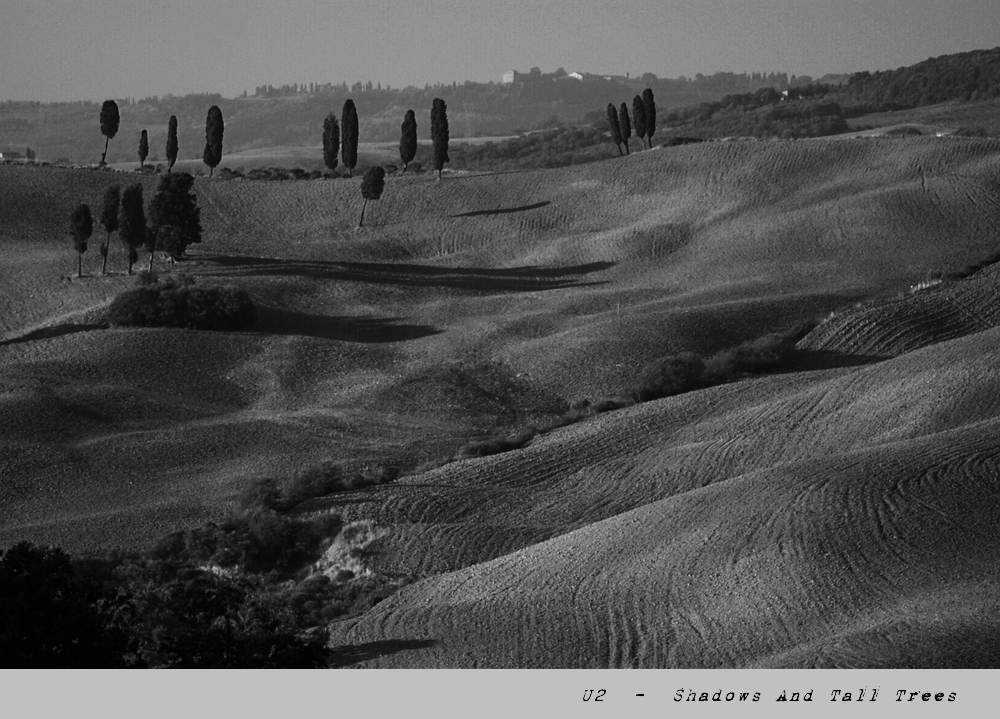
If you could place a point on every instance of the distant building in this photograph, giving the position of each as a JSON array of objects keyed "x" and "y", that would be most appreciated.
[
  {"x": 576, "y": 75},
  {"x": 509, "y": 77}
]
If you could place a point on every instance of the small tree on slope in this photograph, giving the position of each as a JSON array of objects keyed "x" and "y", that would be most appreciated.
[
  {"x": 214, "y": 130},
  {"x": 408, "y": 139},
  {"x": 639, "y": 119},
  {"x": 625, "y": 124},
  {"x": 616, "y": 132},
  {"x": 331, "y": 141},
  {"x": 650, "y": 108},
  {"x": 371, "y": 188},
  {"x": 81, "y": 225},
  {"x": 349, "y": 135},
  {"x": 143, "y": 149},
  {"x": 439, "y": 134},
  {"x": 109, "y": 220},
  {"x": 132, "y": 222},
  {"x": 171, "y": 142},
  {"x": 110, "y": 120}
]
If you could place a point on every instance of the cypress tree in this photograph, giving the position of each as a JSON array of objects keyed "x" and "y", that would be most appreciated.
[
  {"x": 371, "y": 188},
  {"x": 81, "y": 225},
  {"x": 650, "y": 107},
  {"x": 439, "y": 134},
  {"x": 408, "y": 139},
  {"x": 132, "y": 222},
  {"x": 331, "y": 141},
  {"x": 110, "y": 120},
  {"x": 109, "y": 219},
  {"x": 625, "y": 125},
  {"x": 171, "y": 142},
  {"x": 349, "y": 136},
  {"x": 616, "y": 131},
  {"x": 639, "y": 119},
  {"x": 143, "y": 149},
  {"x": 214, "y": 129}
]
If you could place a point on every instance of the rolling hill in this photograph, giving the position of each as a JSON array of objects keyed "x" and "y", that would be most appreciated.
[{"x": 836, "y": 514}]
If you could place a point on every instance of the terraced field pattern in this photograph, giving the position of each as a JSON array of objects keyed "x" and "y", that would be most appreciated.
[{"x": 841, "y": 513}]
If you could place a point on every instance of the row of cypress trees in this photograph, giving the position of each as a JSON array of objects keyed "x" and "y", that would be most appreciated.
[
  {"x": 345, "y": 135},
  {"x": 214, "y": 131},
  {"x": 643, "y": 121}
]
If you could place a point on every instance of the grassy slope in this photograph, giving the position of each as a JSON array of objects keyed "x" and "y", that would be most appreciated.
[{"x": 474, "y": 305}]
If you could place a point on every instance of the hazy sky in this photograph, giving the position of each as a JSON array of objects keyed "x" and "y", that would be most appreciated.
[{"x": 97, "y": 49}]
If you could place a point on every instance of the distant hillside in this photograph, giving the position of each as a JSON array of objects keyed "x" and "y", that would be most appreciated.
[{"x": 293, "y": 115}]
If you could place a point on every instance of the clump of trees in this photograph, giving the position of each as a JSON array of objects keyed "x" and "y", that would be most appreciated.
[
  {"x": 178, "y": 302},
  {"x": 174, "y": 217},
  {"x": 214, "y": 130},
  {"x": 439, "y": 134},
  {"x": 81, "y": 225},
  {"x": 110, "y": 121}
]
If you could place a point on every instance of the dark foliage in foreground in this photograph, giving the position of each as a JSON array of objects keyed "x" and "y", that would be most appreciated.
[
  {"x": 49, "y": 618},
  {"x": 178, "y": 302}
]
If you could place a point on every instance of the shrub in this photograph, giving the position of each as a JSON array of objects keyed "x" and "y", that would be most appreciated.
[
  {"x": 669, "y": 376},
  {"x": 177, "y": 302},
  {"x": 259, "y": 541}
]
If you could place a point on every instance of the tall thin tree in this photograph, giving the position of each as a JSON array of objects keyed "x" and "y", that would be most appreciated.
[
  {"x": 109, "y": 220},
  {"x": 625, "y": 124},
  {"x": 439, "y": 134},
  {"x": 110, "y": 120},
  {"x": 143, "y": 149},
  {"x": 331, "y": 141},
  {"x": 171, "y": 142},
  {"x": 649, "y": 105},
  {"x": 132, "y": 222},
  {"x": 349, "y": 136},
  {"x": 81, "y": 225},
  {"x": 639, "y": 119},
  {"x": 408, "y": 139},
  {"x": 371, "y": 188},
  {"x": 616, "y": 131},
  {"x": 214, "y": 130}
]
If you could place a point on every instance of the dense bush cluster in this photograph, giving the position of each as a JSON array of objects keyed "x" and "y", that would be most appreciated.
[
  {"x": 176, "y": 301},
  {"x": 317, "y": 480},
  {"x": 687, "y": 371}
]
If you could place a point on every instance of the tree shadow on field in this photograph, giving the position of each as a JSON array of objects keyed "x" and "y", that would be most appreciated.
[
  {"x": 488, "y": 280},
  {"x": 502, "y": 210},
  {"x": 54, "y": 331},
  {"x": 271, "y": 320},
  {"x": 352, "y": 654}
]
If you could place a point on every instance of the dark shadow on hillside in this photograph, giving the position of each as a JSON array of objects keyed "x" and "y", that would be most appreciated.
[
  {"x": 502, "y": 210},
  {"x": 352, "y": 654},
  {"x": 518, "y": 279},
  {"x": 809, "y": 360},
  {"x": 272, "y": 320},
  {"x": 55, "y": 331}
]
